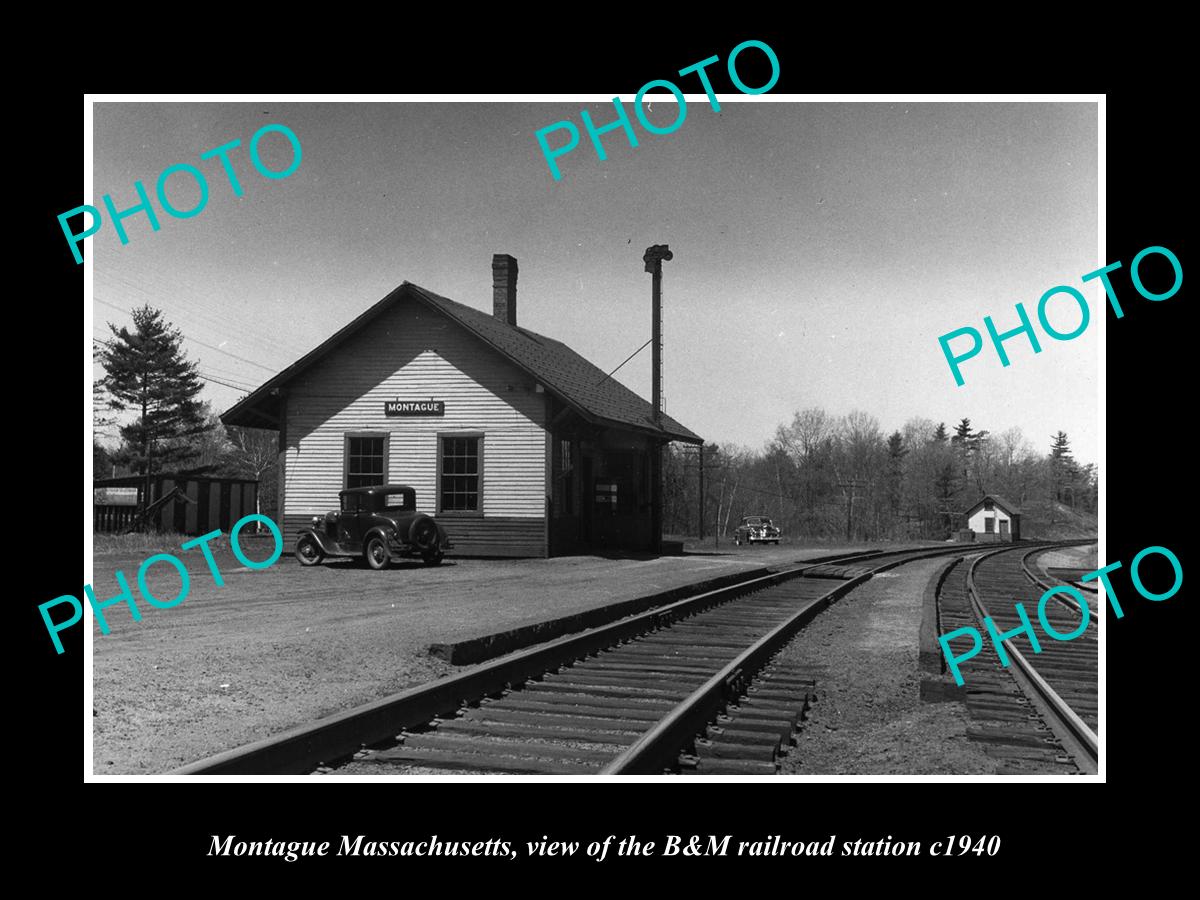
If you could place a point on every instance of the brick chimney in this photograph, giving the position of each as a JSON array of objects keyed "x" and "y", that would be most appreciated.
[{"x": 504, "y": 288}]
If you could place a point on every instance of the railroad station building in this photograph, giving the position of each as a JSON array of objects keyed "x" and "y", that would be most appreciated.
[
  {"x": 993, "y": 518},
  {"x": 515, "y": 442}
]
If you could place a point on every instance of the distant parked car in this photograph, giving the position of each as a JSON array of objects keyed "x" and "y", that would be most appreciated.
[
  {"x": 378, "y": 523},
  {"x": 756, "y": 530}
]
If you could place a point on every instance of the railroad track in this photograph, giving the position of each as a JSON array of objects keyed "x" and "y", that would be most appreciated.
[
  {"x": 1057, "y": 576},
  {"x": 1039, "y": 714},
  {"x": 691, "y": 687}
]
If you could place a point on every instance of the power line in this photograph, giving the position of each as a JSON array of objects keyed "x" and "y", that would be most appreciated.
[
  {"x": 203, "y": 376},
  {"x": 237, "y": 387},
  {"x": 195, "y": 318},
  {"x": 203, "y": 344},
  {"x": 211, "y": 369},
  {"x": 273, "y": 371},
  {"x": 219, "y": 317}
]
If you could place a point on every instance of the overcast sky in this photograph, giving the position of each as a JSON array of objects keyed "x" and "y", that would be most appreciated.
[{"x": 820, "y": 249}]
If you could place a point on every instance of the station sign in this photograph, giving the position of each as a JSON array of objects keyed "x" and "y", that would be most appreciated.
[{"x": 406, "y": 408}]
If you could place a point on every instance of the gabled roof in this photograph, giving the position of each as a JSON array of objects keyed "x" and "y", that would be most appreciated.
[
  {"x": 1010, "y": 508},
  {"x": 563, "y": 372}
]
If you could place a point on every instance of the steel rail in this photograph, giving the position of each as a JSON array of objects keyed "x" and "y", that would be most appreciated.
[
  {"x": 337, "y": 737},
  {"x": 303, "y": 748},
  {"x": 658, "y": 748},
  {"x": 1069, "y": 602},
  {"x": 1076, "y": 737}
]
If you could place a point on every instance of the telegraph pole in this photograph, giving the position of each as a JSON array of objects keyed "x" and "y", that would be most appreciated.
[{"x": 653, "y": 258}]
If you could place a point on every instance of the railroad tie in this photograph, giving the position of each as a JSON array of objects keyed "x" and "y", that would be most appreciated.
[
  {"x": 1004, "y": 723},
  {"x": 758, "y": 727}
]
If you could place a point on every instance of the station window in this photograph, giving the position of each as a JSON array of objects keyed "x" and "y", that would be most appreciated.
[
  {"x": 460, "y": 470},
  {"x": 989, "y": 525},
  {"x": 606, "y": 498},
  {"x": 366, "y": 460}
]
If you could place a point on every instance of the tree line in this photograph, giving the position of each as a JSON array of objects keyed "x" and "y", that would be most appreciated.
[
  {"x": 830, "y": 477},
  {"x": 821, "y": 476}
]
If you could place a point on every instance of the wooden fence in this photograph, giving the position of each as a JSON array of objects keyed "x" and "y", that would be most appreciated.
[{"x": 216, "y": 503}]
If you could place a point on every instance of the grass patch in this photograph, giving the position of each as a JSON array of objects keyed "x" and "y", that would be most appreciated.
[
  {"x": 138, "y": 542},
  {"x": 168, "y": 541}
]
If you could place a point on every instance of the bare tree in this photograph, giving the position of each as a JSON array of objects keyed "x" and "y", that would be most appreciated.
[{"x": 255, "y": 453}]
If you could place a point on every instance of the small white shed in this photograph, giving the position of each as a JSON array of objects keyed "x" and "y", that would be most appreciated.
[{"x": 993, "y": 518}]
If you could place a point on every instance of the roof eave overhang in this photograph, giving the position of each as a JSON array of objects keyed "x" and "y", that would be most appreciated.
[
  {"x": 649, "y": 430},
  {"x": 255, "y": 411}
]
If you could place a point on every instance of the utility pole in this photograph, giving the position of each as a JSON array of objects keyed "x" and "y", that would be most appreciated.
[
  {"x": 653, "y": 258},
  {"x": 149, "y": 435},
  {"x": 700, "y": 517}
]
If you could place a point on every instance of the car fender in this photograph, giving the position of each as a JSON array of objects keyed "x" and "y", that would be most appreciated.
[
  {"x": 385, "y": 531},
  {"x": 328, "y": 547}
]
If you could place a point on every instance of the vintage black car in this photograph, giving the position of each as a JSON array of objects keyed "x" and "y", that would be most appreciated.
[
  {"x": 756, "y": 530},
  {"x": 378, "y": 523}
]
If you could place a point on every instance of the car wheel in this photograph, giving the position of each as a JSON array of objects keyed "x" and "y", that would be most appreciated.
[
  {"x": 308, "y": 551},
  {"x": 377, "y": 553}
]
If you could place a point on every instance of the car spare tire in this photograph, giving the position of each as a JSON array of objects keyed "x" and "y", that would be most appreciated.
[{"x": 423, "y": 533}]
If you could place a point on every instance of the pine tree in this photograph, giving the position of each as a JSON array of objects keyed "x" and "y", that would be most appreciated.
[
  {"x": 1064, "y": 471},
  {"x": 101, "y": 402},
  {"x": 963, "y": 433},
  {"x": 940, "y": 434},
  {"x": 147, "y": 372},
  {"x": 969, "y": 444},
  {"x": 1060, "y": 446}
]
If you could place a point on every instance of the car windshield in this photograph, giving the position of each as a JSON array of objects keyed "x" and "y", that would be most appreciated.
[{"x": 754, "y": 520}]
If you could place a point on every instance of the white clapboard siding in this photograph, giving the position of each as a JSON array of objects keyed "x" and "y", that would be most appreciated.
[{"x": 413, "y": 353}]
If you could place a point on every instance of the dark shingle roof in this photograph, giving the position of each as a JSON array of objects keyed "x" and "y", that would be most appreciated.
[
  {"x": 1010, "y": 508},
  {"x": 563, "y": 371}
]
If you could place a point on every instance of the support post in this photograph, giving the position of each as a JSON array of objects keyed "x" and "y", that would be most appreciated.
[{"x": 281, "y": 472}]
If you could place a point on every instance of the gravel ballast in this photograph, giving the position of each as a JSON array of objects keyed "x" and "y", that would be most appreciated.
[
  {"x": 869, "y": 718},
  {"x": 280, "y": 647}
]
